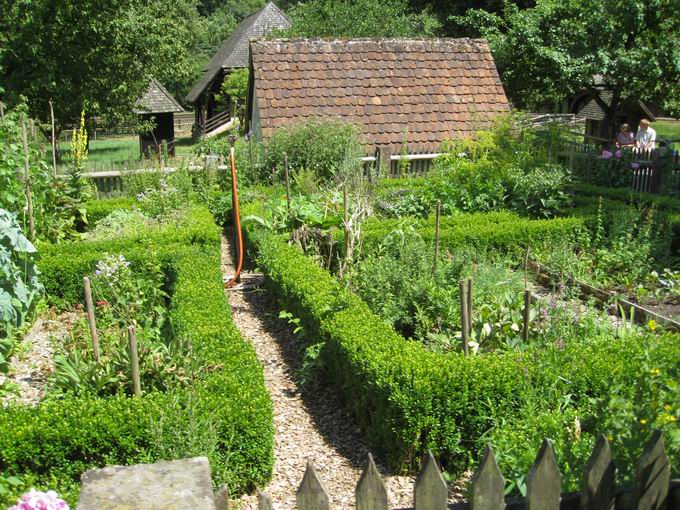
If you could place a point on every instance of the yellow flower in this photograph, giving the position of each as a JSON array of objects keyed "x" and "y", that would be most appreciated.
[
  {"x": 655, "y": 371},
  {"x": 652, "y": 325},
  {"x": 667, "y": 407},
  {"x": 643, "y": 422}
]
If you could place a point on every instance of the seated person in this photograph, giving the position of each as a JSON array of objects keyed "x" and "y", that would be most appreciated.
[
  {"x": 625, "y": 138},
  {"x": 646, "y": 136}
]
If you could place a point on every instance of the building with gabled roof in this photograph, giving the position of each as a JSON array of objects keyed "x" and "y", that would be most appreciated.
[
  {"x": 422, "y": 91},
  {"x": 158, "y": 106},
  {"x": 232, "y": 55}
]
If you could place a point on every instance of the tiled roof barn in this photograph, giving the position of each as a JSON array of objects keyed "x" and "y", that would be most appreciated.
[{"x": 435, "y": 89}]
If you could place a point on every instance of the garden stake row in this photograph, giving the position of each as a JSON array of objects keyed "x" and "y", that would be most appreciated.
[
  {"x": 27, "y": 182},
  {"x": 90, "y": 317},
  {"x": 437, "y": 219},
  {"x": 134, "y": 361}
]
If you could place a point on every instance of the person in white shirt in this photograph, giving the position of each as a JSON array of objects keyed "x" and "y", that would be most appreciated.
[{"x": 645, "y": 138}]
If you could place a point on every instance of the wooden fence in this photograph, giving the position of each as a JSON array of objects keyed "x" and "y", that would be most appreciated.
[
  {"x": 652, "y": 488},
  {"x": 414, "y": 164}
]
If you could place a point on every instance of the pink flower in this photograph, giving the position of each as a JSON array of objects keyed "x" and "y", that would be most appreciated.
[
  {"x": 606, "y": 154},
  {"x": 36, "y": 500},
  {"x": 618, "y": 153}
]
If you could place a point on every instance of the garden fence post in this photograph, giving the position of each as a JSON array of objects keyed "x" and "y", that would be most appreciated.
[
  {"x": 2, "y": 110},
  {"x": 91, "y": 318},
  {"x": 527, "y": 304},
  {"x": 370, "y": 492},
  {"x": 287, "y": 175},
  {"x": 134, "y": 361},
  {"x": 469, "y": 303},
  {"x": 54, "y": 143},
  {"x": 436, "y": 236},
  {"x": 464, "y": 320},
  {"x": 27, "y": 182}
]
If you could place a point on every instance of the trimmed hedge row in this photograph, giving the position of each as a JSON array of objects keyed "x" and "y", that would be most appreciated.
[
  {"x": 496, "y": 231},
  {"x": 225, "y": 413},
  {"x": 409, "y": 399},
  {"x": 64, "y": 265},
  {"x": 98, "y": 209}
]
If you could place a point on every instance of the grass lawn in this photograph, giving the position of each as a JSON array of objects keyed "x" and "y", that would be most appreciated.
[
  {"x": 118, "y": 150},
  {"x": 668, "y": 129}
]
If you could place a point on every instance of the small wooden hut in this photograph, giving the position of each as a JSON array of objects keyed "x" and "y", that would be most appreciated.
[{"x": 158, "y": 106}]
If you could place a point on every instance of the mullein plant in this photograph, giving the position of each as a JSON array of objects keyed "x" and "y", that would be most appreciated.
[{"x": 79, "y": 188}]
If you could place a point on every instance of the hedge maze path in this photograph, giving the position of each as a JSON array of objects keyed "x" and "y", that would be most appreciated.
[{"x": 309, "y": 422}]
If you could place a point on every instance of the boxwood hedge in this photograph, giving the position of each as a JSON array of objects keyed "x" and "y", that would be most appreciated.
[
  {"x": 225, "y": 413},
  {"x": 409, "y": 399}
]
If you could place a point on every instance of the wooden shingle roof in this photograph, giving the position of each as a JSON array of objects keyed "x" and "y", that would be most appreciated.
[
  {"x": 233, "y": 54},
  {"x": 157, "y": 100},
  {"x": 435, "y": 89},
  {"x": 593, "y": 111}
]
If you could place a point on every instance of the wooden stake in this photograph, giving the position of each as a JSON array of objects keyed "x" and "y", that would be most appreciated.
[
  {"x": 345, "y": 205},
  {"x": 134, "y": 361},
  {"x": 287, "y": 175},
  {"x": 2, "y": 110},
  {"x": 27, "y": 182},
  {"x": 91, "y": 318},
  {"x": 527, "y": 304},
  {"x": 437, "y": 219},
  {"x": 464, "y": 319},
  {"x": 469, "y": 302},
  {"x": 54, "y": 143}
]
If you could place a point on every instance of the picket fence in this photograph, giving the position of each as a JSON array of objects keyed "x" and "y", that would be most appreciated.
[{"x": 652, "y": 489}]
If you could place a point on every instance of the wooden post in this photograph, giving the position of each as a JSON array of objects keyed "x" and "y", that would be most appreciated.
[
  {"x": 437, "y": 219},
  {"x": 345, "y": 205},
  {"x": 527, "y": 305},
  {"x": 2, "y": 110},
  {"x": 27, "y": 182},
  {"x": 91, "y": 318},
  {"x": 287, "y": 175},
  {"x": 464, "y": 319},
  {"x": 54, "y": 143},
  {"x": 469, "y": 302},
  {"x": 34, "y": 134},
  {"x": 134, "y": 361}
]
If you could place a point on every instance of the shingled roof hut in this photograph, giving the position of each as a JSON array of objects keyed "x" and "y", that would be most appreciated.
[
  {"x": 232, "y": 55},
  {"x": 158, "y": 105},
  {"x": 424, "y": 91}
]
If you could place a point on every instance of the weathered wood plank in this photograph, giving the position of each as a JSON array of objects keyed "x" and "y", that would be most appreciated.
[
  {"x": 371, "y": 493},
  {"x": 599, "y": 478},
  {"x": 430, "y": 492},
  {"x": 312, "y": 494},
  {"x": 544, "y": 480},
  {"x": 653, "y": 475},
  {"x": 488, "y": 484}
]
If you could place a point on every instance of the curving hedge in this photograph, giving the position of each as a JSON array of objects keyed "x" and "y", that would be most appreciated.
[
  {"x": 225, "y": 413},
  {"x": 409, "y": 399}
]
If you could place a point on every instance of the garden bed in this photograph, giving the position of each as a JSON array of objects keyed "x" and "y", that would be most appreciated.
[{"x": 221, "y": 409}]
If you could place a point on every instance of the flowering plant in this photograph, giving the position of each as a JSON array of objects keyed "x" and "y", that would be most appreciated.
[{"x": 36, "y": 500}]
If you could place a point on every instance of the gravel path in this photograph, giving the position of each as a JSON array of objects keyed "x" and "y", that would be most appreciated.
[
  {"x": 310, "y": 422},
  {"x": 29, "y": 370}
]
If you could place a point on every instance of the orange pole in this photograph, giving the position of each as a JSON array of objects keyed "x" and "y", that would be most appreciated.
[{"x": 237, "y": 218}]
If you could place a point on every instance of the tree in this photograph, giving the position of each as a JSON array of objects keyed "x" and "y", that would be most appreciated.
[
  {"x": 360, "y": 18},
  {"x": 630, "y": 48},
  {"x": 235, "y": 88},
  {"x": 93, "y": 55}
]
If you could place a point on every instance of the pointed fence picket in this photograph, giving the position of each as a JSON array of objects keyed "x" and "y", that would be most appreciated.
[{"x": 653, "y": 488}]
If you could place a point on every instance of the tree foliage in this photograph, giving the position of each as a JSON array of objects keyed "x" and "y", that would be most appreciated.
[
  {"x": 96, "y": 56},
  {"x": 360, "y": 18},
  {"x": 544, "y": 53}
]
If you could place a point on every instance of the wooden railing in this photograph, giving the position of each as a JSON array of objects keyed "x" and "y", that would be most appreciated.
[
  {"x": 216, "y": 121},
  {"x": 652, "y": 488}
]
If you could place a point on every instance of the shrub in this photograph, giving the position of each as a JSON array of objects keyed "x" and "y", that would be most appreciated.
[
  {"x": 225, "y": 413},
  {"x": 328, "y": 148}
]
